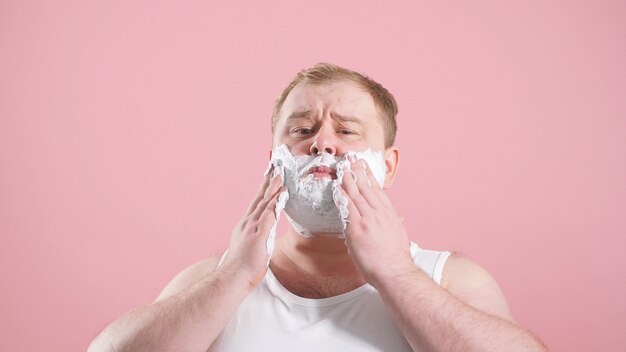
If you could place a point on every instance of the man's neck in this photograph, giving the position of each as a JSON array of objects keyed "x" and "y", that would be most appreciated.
[
  {"x": 324, "y": 255},
  {"x": 314, "y": 267}
]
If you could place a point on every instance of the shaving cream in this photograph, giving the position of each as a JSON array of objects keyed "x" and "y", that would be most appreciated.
[{"x": 315, "y": 206}]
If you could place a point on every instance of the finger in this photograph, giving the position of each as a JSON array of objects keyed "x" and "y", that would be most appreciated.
[
  {"x": 262, "y": 188},
  {"x": 351, "y": 189},
  {"x": 266, "y": 227},
  {"x": 370, "y": 175},
  {"x": 353, "y": 211},
  {"x": 380, "y": 193},
  {"x": 275, "y": 182},
  {"x": 263, "y": 204},
  {"x": 384, "y": 199},
  {"x": 365, "y": 184},
  {"x": 269, "y": 216}
]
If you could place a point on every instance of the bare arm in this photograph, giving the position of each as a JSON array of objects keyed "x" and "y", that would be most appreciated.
[
  {"x": 182, "y": 318},
  {"x": 195, "y": 307},
  {"x": 470, "y": 315}
]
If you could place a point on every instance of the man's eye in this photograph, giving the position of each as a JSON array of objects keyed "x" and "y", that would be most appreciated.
[
  {"x": 346, "y": 132},
  {"x": 302, "y": 130}
]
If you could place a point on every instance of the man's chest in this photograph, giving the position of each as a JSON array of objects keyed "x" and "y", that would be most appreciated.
[{"x": 270, "y": 319}]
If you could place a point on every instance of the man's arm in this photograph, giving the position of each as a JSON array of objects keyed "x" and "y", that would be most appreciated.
[
  {"x": 470, "y": 315},
  {"x": 188, "y": 315},
  {"x": 195, "y": 307}
]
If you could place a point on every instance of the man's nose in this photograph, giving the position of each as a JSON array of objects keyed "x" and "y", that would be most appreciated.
[{"x": 324, "y": 142}]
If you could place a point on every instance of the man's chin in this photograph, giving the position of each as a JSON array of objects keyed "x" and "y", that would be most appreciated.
[
  {"x": 329, "y": 235},
  {"x": 318, "y": 229}
]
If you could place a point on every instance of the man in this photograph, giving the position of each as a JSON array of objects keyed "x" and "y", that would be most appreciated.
[{"x": 363, "y": 288}]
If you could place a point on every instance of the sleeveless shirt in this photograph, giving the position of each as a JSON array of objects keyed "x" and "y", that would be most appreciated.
[{"x": 271, "y": 318}]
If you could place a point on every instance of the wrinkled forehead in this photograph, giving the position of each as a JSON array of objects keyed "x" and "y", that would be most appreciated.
[{"x": 341, "y": 97}]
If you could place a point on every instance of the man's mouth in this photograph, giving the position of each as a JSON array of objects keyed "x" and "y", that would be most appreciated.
[{"x": 322, "y": 172}]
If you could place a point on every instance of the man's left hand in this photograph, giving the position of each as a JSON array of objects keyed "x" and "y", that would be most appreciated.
[{"x": 375, "y": 236}]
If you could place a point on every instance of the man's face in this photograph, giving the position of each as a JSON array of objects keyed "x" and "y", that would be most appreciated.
[
  {"x": 334, "y": 117},
  {"x": 318, "y": 124}
]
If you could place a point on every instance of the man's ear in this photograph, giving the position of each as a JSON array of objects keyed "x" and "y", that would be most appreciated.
[{"x": 392, "y": 159}]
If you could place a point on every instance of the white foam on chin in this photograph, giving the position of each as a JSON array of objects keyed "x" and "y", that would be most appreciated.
[{"x": 310, "y": 205}]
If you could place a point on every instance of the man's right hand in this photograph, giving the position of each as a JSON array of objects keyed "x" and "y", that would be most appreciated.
[
  {"x": 167, "y": 324},
  {"x": 247, "y": 253}
]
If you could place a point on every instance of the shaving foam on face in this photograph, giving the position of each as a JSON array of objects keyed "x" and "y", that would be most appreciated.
[{"x": 315, "y": 205}]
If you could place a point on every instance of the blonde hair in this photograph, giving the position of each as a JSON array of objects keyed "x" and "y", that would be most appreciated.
[{"x": 326, "y": 73}]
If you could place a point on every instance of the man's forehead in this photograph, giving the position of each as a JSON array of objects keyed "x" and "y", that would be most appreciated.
[{"x": 343, "y": 98}]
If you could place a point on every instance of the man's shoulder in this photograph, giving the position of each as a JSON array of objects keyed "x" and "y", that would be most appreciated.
[
  {"x": 472, "y": 284},
  {"x": 460, "y": 270},
  {"x": 190, "y": 275}
]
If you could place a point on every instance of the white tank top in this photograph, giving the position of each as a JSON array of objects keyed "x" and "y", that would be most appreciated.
[{"x": 271, "y": 318}]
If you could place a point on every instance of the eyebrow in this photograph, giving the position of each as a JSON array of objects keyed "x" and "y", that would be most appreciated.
[
  {"x": 306, "y": 114},
  {"x": 303, "y": 114},
  {"x": 343, "y": 118}
]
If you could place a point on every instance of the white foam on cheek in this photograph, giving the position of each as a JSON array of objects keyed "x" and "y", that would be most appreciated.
[
  {"x": 340, "y": 200},
  {"x": 315, "y": 205}
]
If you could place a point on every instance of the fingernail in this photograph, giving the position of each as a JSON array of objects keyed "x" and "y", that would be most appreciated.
[
  {"x": 363, "y": 164},
  {"x": 351, "y": 158}
]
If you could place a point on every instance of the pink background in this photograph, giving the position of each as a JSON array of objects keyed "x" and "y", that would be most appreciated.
[{"x": 134, "y": 133}]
